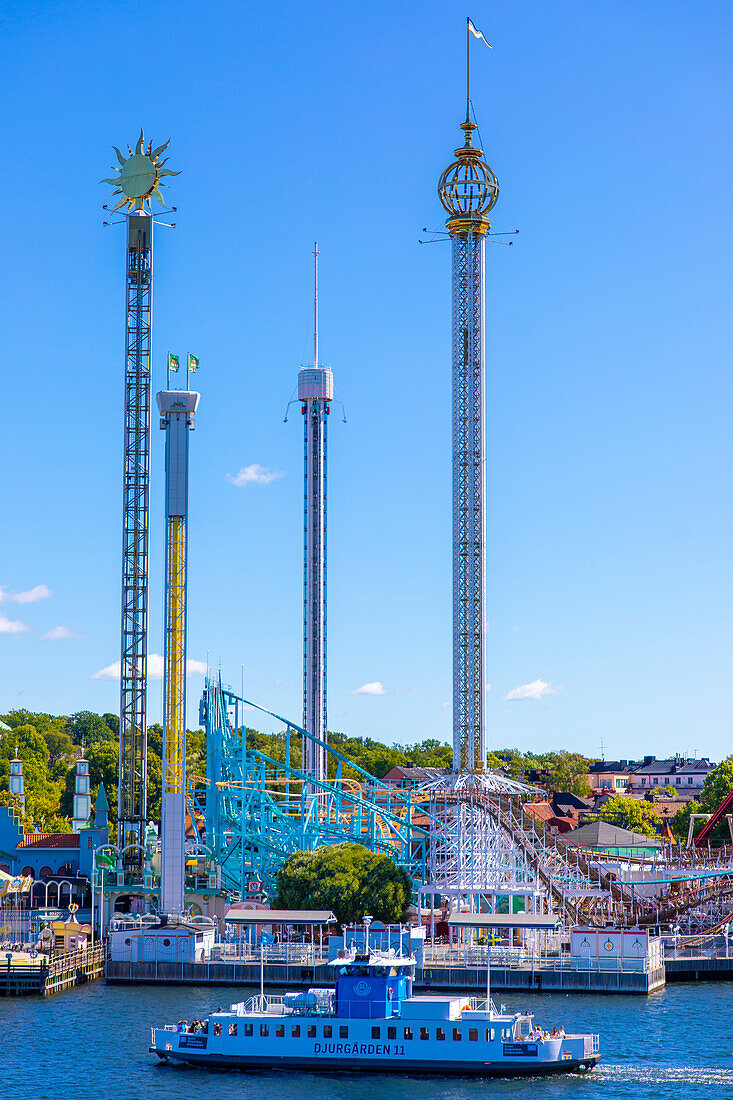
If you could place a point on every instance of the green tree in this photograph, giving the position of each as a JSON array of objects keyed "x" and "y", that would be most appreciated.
[
  {"x": 718, "y": 783},
  {"x": 681, "y": 821},
  {"x": 88, "y": 728},
  {"x": 347, "y": 879},
  {"x": 567, "y": 772},
  {"x": 634, "y": 814}
]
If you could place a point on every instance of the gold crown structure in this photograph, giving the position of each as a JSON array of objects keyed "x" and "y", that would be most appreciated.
[{"x": 468, "y": 189}]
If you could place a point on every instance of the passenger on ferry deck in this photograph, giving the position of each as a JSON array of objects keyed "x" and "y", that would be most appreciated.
[{"x": 562, "y": 1031}]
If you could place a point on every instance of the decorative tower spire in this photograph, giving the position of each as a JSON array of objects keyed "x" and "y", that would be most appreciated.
[
  {"x": 16, "y": 782},
  {"x": 82, "y": 794},
  {"x": 315, "y": 392},
  {"x": 468, "y": 190}
]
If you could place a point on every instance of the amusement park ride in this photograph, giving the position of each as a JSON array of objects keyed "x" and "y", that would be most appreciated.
[{"x": 462, "y": 838}]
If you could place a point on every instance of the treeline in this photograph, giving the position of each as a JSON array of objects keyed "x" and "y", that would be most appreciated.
[
  {"x": 551, "y": 771},
  {"x": 49, "y": 746}
]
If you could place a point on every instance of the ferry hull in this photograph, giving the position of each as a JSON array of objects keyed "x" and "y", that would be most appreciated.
[{"x": 404, "y": 1066}]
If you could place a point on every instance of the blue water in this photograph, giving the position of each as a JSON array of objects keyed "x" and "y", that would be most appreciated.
[{"x": 92, "y": 1043}]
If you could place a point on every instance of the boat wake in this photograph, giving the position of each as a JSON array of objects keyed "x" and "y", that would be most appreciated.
[{"x": 661, "y": 1075}]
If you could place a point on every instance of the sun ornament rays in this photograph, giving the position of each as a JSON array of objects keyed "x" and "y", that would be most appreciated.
[{"x": 140, "y": 174}]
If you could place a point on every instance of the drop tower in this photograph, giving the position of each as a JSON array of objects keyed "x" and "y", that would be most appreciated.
[
  {"x": 138, "y": 182},
  {"x": 315, "y": 393},
  {"x": 468, "y": 190}
]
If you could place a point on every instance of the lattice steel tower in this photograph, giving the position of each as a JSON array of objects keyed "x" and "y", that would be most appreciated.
[
  {"x": 468, "y": 190},
  {"x": 139, "y": 180},
  {"x": 315, "y": 392}
]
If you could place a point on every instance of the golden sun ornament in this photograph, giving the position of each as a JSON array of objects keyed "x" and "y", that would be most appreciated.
[{"x": 140, "y": 175}]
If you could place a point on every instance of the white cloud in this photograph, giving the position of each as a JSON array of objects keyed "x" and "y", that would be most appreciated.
[
  {"x": 374, "y": 688},
  {"x": 7, "y": 626},
  {"x": 535, "y": 690},
  {"x": 155, "y": 669},
  {"x": 444, "y": 706},
  {"x": 254, "y": 475},
  {"x": 32, "y": 595},
  {"x": 59, "y": 633}
]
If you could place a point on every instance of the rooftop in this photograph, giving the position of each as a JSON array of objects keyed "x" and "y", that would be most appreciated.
[
  {"x": 49, "y": 840},
  {"x": 601, "y": 834},
  {"x": 676, "y": 765}
]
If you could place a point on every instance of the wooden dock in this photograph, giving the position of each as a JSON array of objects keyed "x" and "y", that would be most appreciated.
[{"x": 44, "y": 976}]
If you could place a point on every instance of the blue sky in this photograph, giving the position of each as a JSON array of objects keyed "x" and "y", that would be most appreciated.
[{"x": 610, "y": 514}]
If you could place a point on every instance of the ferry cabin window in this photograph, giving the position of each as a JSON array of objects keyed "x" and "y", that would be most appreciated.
[
  {"x": 280, "y": 1032},
  {"x": 327, "y": 1031},
  {"x": 391, "y": 1032},
  {"x": 457, "y": 1035},
  {"x": 473, "y": 1034},
  {"x": 343, "y": 1033},
  {"x": 407, "y": 1032},
  {"x": 440, "y": 1033},
  {"x": 232, "y": 1029},
  {"x": 217, "y": 1029},
  {"x": 264, "y": 1029},
  {"x": 312, "y": 1031},
  {"x": 490, "y": 1034},
  {"x": 505, "y": 1033},
  {"x": 424, "y": 1033},
  {"x": 248, "y": 1029},
  {"x": 375, "y": 1033},
  {"x": 295, "y": 1031}
]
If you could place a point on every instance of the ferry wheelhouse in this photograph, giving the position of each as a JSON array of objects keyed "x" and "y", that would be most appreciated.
[{"x": 371, "y": 1021}]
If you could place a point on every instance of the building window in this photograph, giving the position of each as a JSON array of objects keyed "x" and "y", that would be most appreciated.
[
  {"x": 232, "y": 1029},
  {"x": 391, "y": 1032},
  {"x": 89, "y": 842},
  {"x": 440, "y": 1034},
  {"x": 344, "y": 1033},
  {"x": 473, "y": 1034},
  {"x": 457, "y": 1035},
  {"x": 264, "y": 1030},
  {"x": 327, "y": 1031},
  {"x": 311, "y": 1031},
  {"x": 248, "y": 1030},
  {"x": 217, "y": 1029},
  {"x": 424, "y": 1033},
  {"x": 375, "y": 1033},
  {"x": 295, "y": 1031},
  {"x": 407, "y": 1032},
  {"x": 689, "y": 780},
  {"x": 280, "y": 1032}
]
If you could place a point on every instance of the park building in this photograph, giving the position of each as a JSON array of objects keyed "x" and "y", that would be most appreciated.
[{"x": 60, "y": 864}]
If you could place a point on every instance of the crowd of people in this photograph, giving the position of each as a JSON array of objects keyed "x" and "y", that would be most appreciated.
[{"x": 537, "y": 1034}]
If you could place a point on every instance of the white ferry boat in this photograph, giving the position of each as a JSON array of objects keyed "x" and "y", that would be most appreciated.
[{"x": 372, "y": 1022}]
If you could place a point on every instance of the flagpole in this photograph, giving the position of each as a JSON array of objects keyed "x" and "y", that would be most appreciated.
[
  {"x": 188, "y": 371},
  {"x": 468, "y": 72},
  {"x": 168, "y": 382}
]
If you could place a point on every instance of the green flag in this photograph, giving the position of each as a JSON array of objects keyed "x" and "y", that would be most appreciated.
[
  {"x": 173, "y": 362},
  {"x": 193, "y": 362}
]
